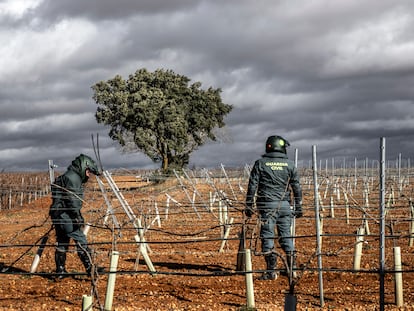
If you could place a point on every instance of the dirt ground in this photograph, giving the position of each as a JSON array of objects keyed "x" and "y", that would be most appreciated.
[{"x": 191, "y": 272}]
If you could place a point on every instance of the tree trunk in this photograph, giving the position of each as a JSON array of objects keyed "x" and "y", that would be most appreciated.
[{"x": 165, "y": 163}]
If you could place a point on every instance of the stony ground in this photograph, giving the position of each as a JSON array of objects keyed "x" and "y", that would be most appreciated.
[{"x": 192, "y": 274}]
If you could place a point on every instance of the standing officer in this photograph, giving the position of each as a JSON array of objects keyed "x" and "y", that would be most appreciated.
[
  {"x": 271, "y": 179},
  {"x": 65, "y": 211}
]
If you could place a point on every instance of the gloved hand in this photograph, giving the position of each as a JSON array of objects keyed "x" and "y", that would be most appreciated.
[
  {"x": 248, "y": 212},
  {"x": 79, "y": 220},
  {"x": 298, "y": 212}
]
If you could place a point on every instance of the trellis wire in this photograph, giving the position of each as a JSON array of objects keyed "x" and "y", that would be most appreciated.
[{"x": 190, "y": 204}]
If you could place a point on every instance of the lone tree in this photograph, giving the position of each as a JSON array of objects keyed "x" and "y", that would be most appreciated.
[{"x": 160, "y": 114}]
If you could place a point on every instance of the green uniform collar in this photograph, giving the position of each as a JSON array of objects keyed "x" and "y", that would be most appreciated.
[{"x": 275, "y": 155}]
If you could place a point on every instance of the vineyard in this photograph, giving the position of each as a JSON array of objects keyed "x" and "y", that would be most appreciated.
[
  {"x": 178, "y": 243},
  {"x": 18, "y": 189}
]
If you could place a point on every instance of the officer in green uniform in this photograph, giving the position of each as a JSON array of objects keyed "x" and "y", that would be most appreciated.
[
  {"x": 65, "y": 211},
  {"x": 272, "y": 178}
]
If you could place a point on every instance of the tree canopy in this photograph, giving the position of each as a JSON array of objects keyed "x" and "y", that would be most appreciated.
[{"x": 164, "y": 116}]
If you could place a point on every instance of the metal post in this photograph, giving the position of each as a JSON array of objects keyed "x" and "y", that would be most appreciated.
[
  {"x": 293, "y": 225},
  {"x": 355, "y": 174},
  {"x": 399, "y": 174},
  {"x": 382, "y": 224},
  {"x": 317, "y": 224},
  {"x": 51, "y": 171}
]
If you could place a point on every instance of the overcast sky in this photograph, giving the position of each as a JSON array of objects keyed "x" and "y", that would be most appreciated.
[{"x": 335, "y": 74}]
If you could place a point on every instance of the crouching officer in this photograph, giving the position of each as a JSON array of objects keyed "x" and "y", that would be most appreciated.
[
  {"x": 272, "y": 178},
  {"x": 65, "y": 211}
]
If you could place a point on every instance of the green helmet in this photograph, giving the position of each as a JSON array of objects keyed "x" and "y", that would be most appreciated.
[
  {"x": 83, "y": 163},
  {"x": 276, "y": 143}
]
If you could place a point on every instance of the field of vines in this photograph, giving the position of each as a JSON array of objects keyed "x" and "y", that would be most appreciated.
[
  {"x": 18, "y": 189},
  {"x": 173, "y": 243}
]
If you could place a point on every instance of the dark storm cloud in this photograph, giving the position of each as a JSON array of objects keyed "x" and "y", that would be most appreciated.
[
  {"x": 108, "y": 9},
  {"x": 336, "y": 74}
]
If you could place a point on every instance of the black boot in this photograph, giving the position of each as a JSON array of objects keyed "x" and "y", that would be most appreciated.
[
  {"x": 291, "y": 263},
  {"x": 270, "y": 274},
  {"x": 60, "y": 260},
  {"x": 85, "y": 255}
]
